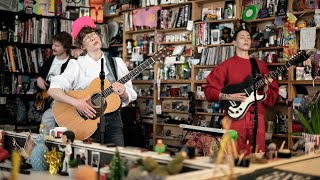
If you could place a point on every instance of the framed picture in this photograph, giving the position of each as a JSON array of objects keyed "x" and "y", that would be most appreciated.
[
  {"x": 215, "y": 36},
  {"x": 95, "y": 160},
  {"x": 84, "y": 11},
  {"x": 81, "y": 155}
]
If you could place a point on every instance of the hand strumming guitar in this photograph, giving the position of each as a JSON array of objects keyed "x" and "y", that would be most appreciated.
[
  {"x": 267, "y": 82},
  {"x": 241, "y": 97},
  {"x": 84, "y": 108},
  {"x": 41, "y": 83}
]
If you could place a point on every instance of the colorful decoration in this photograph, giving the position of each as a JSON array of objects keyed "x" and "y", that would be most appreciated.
[
  {"x": 54, "y": 159},
  {"x": 37, "y": 159},
  {"x": 160, "y": 147},
  {"x": 116, "y": 167}
]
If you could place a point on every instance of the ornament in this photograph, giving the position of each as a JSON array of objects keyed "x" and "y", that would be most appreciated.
[
  {"x": 159, "y": 147},
  {"x": 301, "y": 23},
  {"x": 53, "y": 158},
  {"x": 37, "y": 159}
]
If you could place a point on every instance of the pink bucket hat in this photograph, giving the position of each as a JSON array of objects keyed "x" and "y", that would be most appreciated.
[{"x": 80, "y": 23}]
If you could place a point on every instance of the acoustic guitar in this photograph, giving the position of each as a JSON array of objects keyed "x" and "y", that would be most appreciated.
[
  {"x": 68, "y": 116},
  {"x": 236, "y": 109}
]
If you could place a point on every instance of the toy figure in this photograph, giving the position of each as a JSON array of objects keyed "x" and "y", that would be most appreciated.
[
  {"x": 67, "y": 139},
  {"x": 159, "y": 147},
  {"x": 96, "y": 10},
  {"x": 226, "y": 35}
]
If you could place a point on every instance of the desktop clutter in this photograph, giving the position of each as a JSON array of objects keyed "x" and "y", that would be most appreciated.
[{"x": 36, "y": 156}]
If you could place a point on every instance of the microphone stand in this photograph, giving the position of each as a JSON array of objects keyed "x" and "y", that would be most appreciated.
[
  {"x": 102, "y": 120},
  {"x": 255, "y": 111}
]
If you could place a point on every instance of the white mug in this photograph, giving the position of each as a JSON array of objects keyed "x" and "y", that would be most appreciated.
[{"x": 57, "y": 131}]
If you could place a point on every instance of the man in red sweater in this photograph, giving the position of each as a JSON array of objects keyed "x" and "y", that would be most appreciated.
[{"x": 234, "y": 71}]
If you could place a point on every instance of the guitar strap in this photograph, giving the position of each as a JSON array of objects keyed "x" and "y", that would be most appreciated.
[{"x": 254, "y": 67}]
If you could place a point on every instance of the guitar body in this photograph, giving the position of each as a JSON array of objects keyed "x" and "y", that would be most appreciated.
[
  {"x": 236, "y": 109},
  {"x": 41, "y": 100},
  {"x": 68, "y": 116}
]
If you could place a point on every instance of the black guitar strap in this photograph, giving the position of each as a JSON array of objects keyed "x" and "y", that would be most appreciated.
[{"x": 254, "y": 67}]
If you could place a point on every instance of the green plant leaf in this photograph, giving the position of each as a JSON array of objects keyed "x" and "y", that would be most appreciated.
[{"x": 304, "y": 122}]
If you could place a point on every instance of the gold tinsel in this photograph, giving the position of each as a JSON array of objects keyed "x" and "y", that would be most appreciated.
[{"x": 54, "y": 159}]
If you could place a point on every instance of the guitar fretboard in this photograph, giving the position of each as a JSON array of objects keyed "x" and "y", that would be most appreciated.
[{"x": 136, "y": 71}]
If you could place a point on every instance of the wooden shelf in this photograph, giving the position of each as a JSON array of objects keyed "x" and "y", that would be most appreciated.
[
  {"x": 112, "y": 15},
  {"x": 172, "y": 29},
  {"x": 175, "y": 43},
  {"x": 216, "y": 21},
  {"x": 174, "y": 98},
  {"x": 305, "y": 82},
  {"x": 173, "y": 111},
  {"x": 140, "y": 31},
  {"x": 142, "y": 81},
  {"x": 200, "y": 99},
  {"x": 298, "y": 30},
  {"x": 266, "y": 48},
  {"x": 209, "y": 114},
  {"x": 265, "y": 19},
  {"x": 282, "y": 81},
  {"x": 178, "y": 81},
  {"x": 215, "y": 45},
  {"x": 165, "y": 124},
  {"x": 307, "y": 11},
  {"x": 169, "y": 138},
  {"x": 200, "y": 81},
  {"x": 174, "y": 4},
  {"x": 285, "y": 136}
]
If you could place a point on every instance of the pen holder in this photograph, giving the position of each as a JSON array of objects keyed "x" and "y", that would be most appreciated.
[{"x": 244, "y": 163}]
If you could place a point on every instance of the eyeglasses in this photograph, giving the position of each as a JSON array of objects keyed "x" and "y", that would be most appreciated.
[{"x": 90, "y": 36}]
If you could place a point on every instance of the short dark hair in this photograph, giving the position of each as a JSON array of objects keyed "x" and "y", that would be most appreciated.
[
  {"x": 65, "y": 39},
  {"x": 83, "y": 32},
  {"x": 234, "y": 38},
  {"x": 34, "y": 1},
  {"x": 70, "y": 135}
]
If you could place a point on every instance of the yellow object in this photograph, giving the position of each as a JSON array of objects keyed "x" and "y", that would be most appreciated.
[
  {"x": 53, "y": 158},
  {"x": 16, "y": 161},
  {"x": 301, "y": 23}
]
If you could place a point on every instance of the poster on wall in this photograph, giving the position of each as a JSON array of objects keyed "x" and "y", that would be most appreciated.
[
  {"x": 8, "y": 5},
  {"x": 40, "y": 7}
]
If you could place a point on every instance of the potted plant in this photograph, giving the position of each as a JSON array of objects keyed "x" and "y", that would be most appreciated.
[
  {"x": 312, "y": 125},
  {"x": 73, "y": 166}
]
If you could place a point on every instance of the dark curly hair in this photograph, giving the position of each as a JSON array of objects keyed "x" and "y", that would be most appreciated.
[
  {"x": 83, "y": 32},
  {"x": 34, "y": 1},
  {"x": 65, "y": 39}
]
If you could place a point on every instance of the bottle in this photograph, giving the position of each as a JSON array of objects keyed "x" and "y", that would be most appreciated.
[
  {"x": 4, "y": 32},
  {"x": 16, "y": 29},
  {"x": 270, "y": 8},
  {"x": 58, "y": 8}
]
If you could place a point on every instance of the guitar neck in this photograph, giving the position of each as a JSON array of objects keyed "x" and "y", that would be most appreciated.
[
  {"x": 272, "y": 75},
  {"x": 132, "y": 74}
]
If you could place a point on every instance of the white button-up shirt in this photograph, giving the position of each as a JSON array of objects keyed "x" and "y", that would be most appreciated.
[{"x": 81, "y": 72}]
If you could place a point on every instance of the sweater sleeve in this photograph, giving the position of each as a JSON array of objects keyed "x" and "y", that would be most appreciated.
[
  {"x": 273, "y": 90},
  {"x": 215, "y": 82}
]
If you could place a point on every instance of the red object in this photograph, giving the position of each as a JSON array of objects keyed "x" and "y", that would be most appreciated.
[
  {"x": 58, "y": 8},
  {"x": 234, "y": 71},
  {"x": 174, "y": 92},
  {"x": 3, "y": 154},
  {"x": 1, "y": 138}
]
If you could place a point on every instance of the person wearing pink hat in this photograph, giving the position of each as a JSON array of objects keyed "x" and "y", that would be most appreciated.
[{"x": 81, "y": 72}]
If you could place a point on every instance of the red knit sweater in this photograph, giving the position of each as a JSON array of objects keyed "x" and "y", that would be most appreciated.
[{"x": 234, "y": 71}]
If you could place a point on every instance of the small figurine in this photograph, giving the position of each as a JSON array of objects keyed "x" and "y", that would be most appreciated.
[
  {"x": 159, "y": 147},
  {"x": 67, "y": 139}
]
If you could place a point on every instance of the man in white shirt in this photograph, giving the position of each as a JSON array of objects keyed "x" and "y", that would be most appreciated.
[
  {"x": 80, "y": 73},
  {"x": 55, "y": 65}
]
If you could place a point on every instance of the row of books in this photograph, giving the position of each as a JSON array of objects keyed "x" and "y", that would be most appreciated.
[
  {"x": 23, "y": 60},
  {"x": 216, "y": 55},
  {"x": 174, "y": 18},
  {"x": 36, "y": 31},
  {"x": 17, "y": 84}
]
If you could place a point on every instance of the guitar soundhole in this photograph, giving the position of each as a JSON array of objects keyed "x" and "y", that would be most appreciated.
[
  {"x": 95, "y": 99},
  {"x": 240, "y": 109}
]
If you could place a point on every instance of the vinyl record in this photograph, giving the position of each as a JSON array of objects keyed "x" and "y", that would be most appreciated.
[
  {"x": 309, "y": 4},
  {"x": 249, "y": 13}
]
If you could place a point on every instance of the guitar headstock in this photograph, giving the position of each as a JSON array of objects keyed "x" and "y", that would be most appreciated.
[
  {"x": 298, "y": 58},
  {"x": 161, "y": 54}
]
